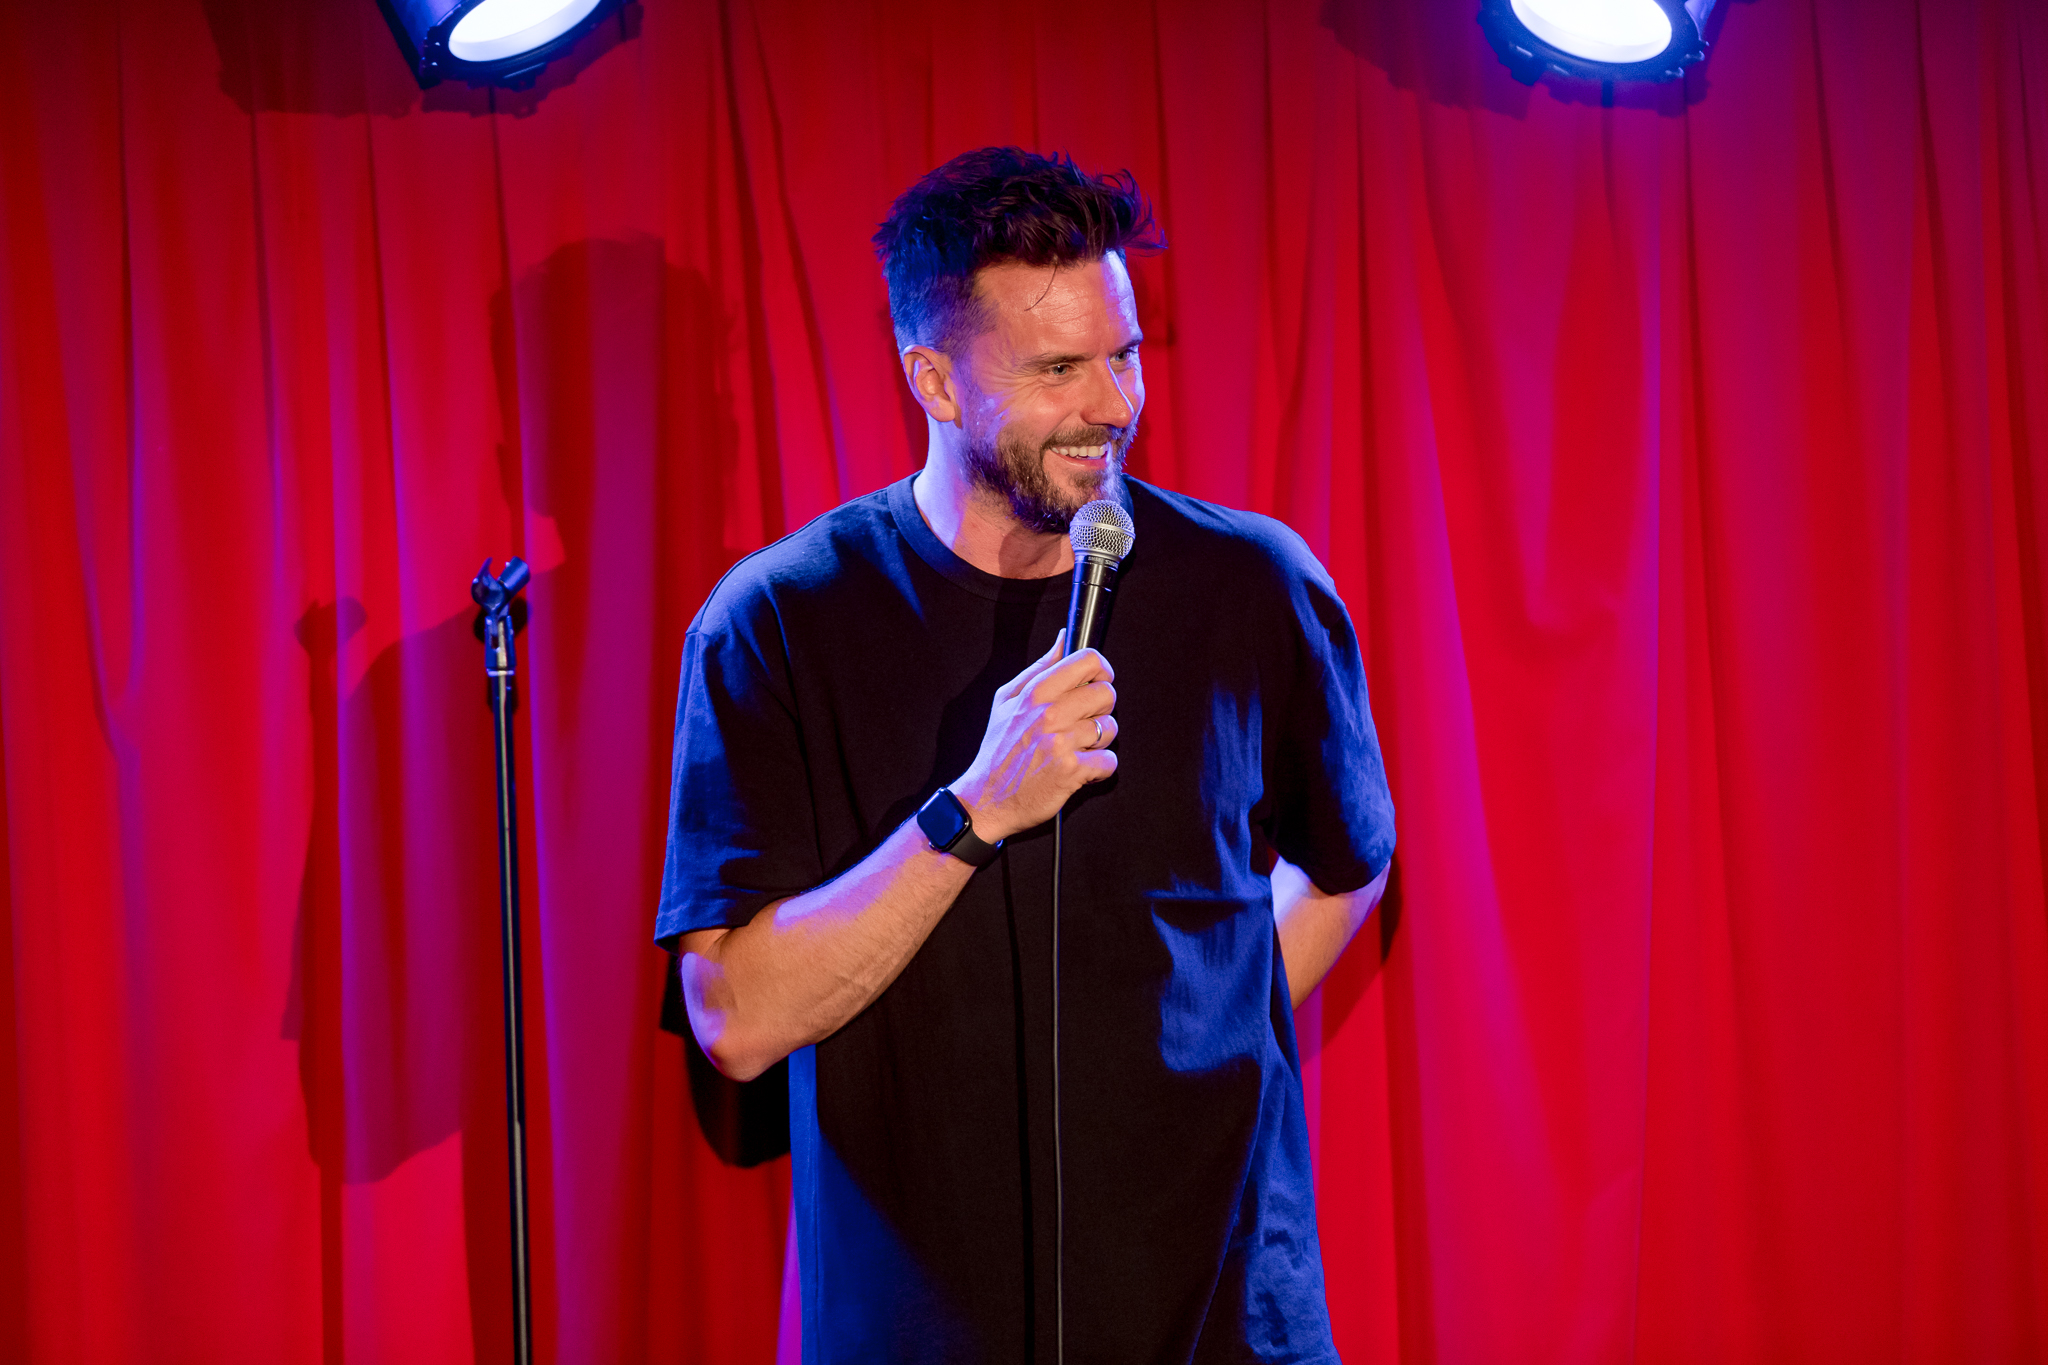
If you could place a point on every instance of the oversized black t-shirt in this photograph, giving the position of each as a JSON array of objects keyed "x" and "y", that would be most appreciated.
[{"x": 831, "y": 683}]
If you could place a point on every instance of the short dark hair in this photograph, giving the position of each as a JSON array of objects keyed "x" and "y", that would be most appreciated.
[{"x": 998, "y": 204}]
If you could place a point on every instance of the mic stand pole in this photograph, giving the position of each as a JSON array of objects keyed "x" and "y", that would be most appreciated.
[{"x": 496, "y": 596}]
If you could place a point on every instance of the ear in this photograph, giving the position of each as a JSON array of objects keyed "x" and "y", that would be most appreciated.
[{"x": 930, "y": 376}]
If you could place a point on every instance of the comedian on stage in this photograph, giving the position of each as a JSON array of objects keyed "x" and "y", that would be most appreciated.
[{"x": 876, "y": 728}]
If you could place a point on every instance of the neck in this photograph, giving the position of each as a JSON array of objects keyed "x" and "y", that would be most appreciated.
[{"x": 976, "y": 524}]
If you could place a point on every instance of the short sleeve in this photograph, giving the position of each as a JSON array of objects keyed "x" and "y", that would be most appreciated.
[
  {"x": 1331, "y": 812},
  {"x": 740, "y": 828}
]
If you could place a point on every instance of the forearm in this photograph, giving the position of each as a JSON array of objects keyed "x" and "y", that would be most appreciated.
[
  {"x": 804, "y": 966},
  {"x": 1315, "y": 926}
]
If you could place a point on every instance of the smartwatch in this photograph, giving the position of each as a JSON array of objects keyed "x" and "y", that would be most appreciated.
[{"x": 948, "y": 829}]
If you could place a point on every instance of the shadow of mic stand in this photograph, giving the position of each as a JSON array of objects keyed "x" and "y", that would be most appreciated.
[{"x": 498, "y": 622}]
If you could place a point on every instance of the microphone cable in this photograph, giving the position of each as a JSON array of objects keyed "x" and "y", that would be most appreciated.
[
  {"x": 1101, "y": 535},
  {"x": 1059, "y": 1181}
]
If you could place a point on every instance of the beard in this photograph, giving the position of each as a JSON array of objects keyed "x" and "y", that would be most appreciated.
[{"x": 1014, "y": 469}]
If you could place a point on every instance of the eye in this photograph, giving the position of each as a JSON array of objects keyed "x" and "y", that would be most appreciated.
[{"x": 1059, "y": 371}]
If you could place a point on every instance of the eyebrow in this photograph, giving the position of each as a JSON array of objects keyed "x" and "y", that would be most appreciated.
[{"x": 1040, "y": 362}]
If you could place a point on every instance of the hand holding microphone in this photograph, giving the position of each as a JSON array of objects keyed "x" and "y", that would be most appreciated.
[{"x": 1051, "y": 726}]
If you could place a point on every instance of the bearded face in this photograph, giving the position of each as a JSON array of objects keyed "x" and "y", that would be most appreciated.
[
  {"x": 1043, "y": 400},
  {"x": 1007, "y": 462}
]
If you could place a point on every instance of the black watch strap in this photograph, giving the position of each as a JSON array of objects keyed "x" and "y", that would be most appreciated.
[{"x": 948, "y": 829}]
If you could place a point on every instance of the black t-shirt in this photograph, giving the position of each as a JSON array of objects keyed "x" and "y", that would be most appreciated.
[{"x": 831, "y": 683}]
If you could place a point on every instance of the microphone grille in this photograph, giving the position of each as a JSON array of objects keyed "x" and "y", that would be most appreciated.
[{"x": 1102, "y": 527}]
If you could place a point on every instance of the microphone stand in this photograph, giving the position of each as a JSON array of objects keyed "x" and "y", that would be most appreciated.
[{"x": 496, "y": 596}]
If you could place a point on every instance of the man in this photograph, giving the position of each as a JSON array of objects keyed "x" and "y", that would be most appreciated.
[{"x": 902, "y": 655}]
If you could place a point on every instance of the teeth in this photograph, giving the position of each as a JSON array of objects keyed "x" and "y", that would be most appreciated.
[{"x": 1083, "y": 452}]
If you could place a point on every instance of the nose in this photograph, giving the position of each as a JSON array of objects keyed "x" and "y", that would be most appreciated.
[{"x": 1112, "y": 398}]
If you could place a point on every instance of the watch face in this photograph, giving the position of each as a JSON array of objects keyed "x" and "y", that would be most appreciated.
[{"x": 942, "y": 820}]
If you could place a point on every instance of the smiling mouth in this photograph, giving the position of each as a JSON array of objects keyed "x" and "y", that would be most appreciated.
[{"x": 1086, "y": 454}]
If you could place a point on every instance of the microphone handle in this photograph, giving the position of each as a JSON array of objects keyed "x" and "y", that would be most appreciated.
[{"x": 1094, "y": 594}]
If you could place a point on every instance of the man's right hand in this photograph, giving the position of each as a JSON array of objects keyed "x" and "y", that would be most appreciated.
[
  {"x": 802, "y": 967},
  {"x": 1041, "y": 743}
]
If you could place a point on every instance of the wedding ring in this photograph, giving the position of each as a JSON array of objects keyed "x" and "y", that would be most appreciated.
[{"x": 1098, "y": 734}]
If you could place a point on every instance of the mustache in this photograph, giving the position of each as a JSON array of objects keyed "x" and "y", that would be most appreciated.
[{"x": 1119, "y": 437}]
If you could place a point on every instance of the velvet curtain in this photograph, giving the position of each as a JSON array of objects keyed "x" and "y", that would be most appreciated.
[{"x": 1682, "y": 454}]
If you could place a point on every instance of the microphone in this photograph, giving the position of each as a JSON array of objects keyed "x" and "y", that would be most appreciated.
[{"x": 1101, "y": 534}]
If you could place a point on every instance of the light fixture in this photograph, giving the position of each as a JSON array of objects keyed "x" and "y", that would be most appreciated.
[
  {"x": 488, "y": 42},
  {"x": 1601, "y": 40}
]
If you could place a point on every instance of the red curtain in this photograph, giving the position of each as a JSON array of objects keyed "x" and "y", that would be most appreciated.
[{"x": 1683, "y": 457}]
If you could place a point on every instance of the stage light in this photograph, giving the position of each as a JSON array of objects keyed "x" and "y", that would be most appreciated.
[
  {"x": 1601, "y": 40},
  {"x": 488, "y": 42}
]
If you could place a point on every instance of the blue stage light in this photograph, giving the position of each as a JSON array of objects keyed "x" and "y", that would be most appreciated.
[
  {"x": 1602, "y": 40},
  {"x": 488, "y": 42}
]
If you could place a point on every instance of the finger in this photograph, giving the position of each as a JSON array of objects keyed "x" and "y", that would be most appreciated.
[
  {"x": 1090, "y": 699},
  {"x": 1076, "y": 670},
  {"x": 1035, "y": 667},
  {"x": 1084, "y": 734},
  {"x": 1096, "y": 764},
  {"x": 1097, "y": 665}
]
